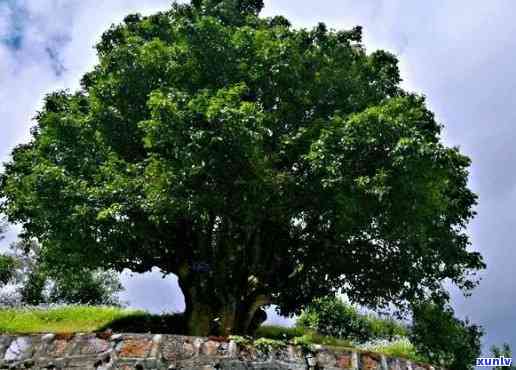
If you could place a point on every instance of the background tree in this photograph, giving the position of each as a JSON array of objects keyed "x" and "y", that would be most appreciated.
[
  {"x": 444, "y": 339},
  {"x": 7, "y": 263},
  {"x": 37, "y": 284},
  {"x": 260, "y": 163},
  {"x": 505, "y": 351},
  {"x": 7, "y": 267}
]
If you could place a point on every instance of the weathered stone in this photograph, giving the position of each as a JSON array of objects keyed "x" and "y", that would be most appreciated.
[
  {"x": 419, "y": 367},
  {"x": 160, "y": 352},
  {"x": 344, "y": 361},
  {"x": 383, "y": 363},
  {"x": 406, "y": 365},
  {"x": 393, "y": 364},
  {"x": 188, "y": 349},
  {"x": 5, "y": 341},
  {"x": 57, "y": 348},
  {"x": 92, "y": 345},
  {"x": 197, "y": 343},
  {"x": 311, "y": 360},
  {"x": 135, "y": 347},
  {"x": 294, "y": 353},
  {"x": 116, "y": 337},
  {"x": 370, "y": 363},
  {"x": 210, "y": 348},
  {"x": 67, "y": 336},
  {"x": 326, "y": 359},
  {"x": 233, "y": 365},
  {"x": 232, "y": 349},
  {"x": 48, "y": 337},
  {"x": 173, "y": 348},
  {"x": 20, "y": 349},
  {"x": 125, "y": 367}
]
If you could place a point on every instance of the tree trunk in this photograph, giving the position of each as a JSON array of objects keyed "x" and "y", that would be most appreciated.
[{"x": 209, "y": 314}]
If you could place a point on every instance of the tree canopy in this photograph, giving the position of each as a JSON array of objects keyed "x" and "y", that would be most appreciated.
[{"x": 260, "y": 163}]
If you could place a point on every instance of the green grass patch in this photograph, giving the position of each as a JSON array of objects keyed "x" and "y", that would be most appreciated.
[
  {"x": 67, "y": 319},
  {"x": 299, "y": 334},
  {"x": 279, "y": 332},
  {"x": 398, "y": 348}
]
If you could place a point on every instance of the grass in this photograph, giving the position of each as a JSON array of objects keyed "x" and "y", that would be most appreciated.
[
  {"x": 62, "y": 319},
  {"x": 308, "y": 336},
  {"x": 74, "y": 319},
  {"x": 279, "y": 332},
  {"x": 399, "y": 348}
]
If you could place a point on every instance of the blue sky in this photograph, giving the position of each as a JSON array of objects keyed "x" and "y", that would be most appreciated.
[{"x": 460, "y": 54}]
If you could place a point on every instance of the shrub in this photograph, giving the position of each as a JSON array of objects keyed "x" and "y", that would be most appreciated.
[
  {"x": 267, "y": 344},
  {"x": 330, "y": 316},
  {"x": 240, "y": 340}
]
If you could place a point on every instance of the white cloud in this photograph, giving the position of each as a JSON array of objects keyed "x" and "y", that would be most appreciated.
[{"x": 68, "y": 28}]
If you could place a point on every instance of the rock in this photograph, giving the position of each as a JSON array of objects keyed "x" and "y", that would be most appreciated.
[
  {"x": 232, "y": 349},
  {"x": 188, "y": 349},
  {"x": 160, "y": 352},
  {"x": 311, "y": 360},
  {"x": 210, "y": 348},
  {"x": 369, "y": 363},
  {"x": 116, "y": 338},
  {"x": 48, "y": 337},
  {"x": 326, "y": 359},
  {"x": 19, "y": 350}
]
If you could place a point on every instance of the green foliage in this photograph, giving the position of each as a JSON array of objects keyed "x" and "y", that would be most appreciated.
[
  {"x": 304, "y": 342},
  {"x": 39, "y": 284},
  {"x": 330, "y": 316},
  {"x": 444, "y": 339},
  {"x": 267, "y": 344},
  {"x": 505, "y": 351},
  {"x": 260, "y": 163},
  {"x": 401, "y": 347},
  {"x": 279, "y": 332},
  {"x": 66, "y": 319},
  {"x": 7, "y": 263},
  {"x": 240, "y": 340},
  {"x": 86, "y": 287},
  {"x": 316, "y": 338},
  {"x": 299, "y": 335},
  {"x": 32, "y": 290},
  {"x": 7, "y": 267}
]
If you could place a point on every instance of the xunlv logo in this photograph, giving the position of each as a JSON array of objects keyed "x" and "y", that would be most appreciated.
[{"x": 494, "y": 361}]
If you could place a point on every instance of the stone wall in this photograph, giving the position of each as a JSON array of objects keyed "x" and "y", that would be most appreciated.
[{"x": 104, "y": 351}]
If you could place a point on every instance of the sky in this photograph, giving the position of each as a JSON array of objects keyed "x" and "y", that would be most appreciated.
[{"x": 459, "y": 54}]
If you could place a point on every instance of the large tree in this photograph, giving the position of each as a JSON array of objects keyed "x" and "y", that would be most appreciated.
[{"x": 260, "y": 163}]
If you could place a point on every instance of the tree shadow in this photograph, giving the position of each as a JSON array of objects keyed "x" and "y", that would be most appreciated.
[{"x": 145, "y": 323}]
